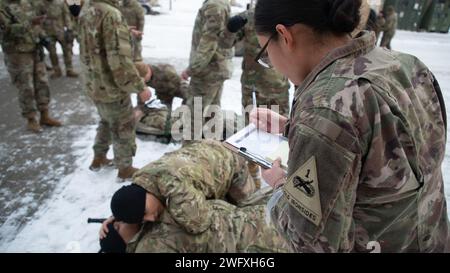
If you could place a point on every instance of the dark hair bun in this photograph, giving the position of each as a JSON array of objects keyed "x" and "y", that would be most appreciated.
[{"x": 344, "y": 15}]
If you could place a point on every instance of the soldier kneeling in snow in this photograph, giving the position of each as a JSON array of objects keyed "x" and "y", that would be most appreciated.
[{"x": 177, "y": 204}]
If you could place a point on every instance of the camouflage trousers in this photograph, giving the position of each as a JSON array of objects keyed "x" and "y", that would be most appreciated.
[
  {"x": 279, "y": 97},
  {"x": 211, "y": 93},
  {"x": 155, "y": 122},
  {"x": 29, "y": 75},
  {"x": 137, "y": 49},
  {"x": 67, "y": 51},
  {"x": 386, "y": 39},
  {"x": 116, "y": 127},
  {"x": 256, "y": 235}
]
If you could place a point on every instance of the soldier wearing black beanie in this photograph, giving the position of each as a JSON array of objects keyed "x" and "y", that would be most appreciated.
[{"x": 128, "y": 204}]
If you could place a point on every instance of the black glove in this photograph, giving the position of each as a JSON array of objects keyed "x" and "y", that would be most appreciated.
[
  {"x": 235, "y": 23},
  {"x": 45, "y": 42},
  {"x": 75, "y": 10}
]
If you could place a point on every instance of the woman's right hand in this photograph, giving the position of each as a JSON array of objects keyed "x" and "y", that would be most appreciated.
[
  {"x": 268, "y": 120},
  {"x": 104, "y": 229}
]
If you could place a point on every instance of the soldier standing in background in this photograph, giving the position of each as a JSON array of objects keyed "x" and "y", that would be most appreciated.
[
  {"x": 389, "y": 28},
  {"x": 110, "y": 78},
  {"x": 59, "y": 27},
  {"x": 22, "y": 38},
  {"x": 210, "y": 59},
  {"x": 135, "y": 17},
  {"x": 271, "y": 87},
  {"x": 375, "y": 23}
]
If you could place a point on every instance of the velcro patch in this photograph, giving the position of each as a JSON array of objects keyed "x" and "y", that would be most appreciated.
[{"x": 302, "y": 191}]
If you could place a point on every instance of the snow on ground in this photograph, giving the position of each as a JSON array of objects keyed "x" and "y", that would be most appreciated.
[{"x": 60, "y": 226}]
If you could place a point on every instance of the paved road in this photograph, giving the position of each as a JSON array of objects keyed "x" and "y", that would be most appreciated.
[{"x": 31, "y": 165}]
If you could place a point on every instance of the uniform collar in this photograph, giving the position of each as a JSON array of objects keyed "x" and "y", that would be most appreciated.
[{"x": 360, "y": 45}]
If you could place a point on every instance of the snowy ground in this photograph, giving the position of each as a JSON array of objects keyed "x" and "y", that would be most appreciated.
[{"x": 60, "y": 224}]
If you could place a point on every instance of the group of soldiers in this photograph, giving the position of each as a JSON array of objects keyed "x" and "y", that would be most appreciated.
[
  {"x": 26, "y": 29},
  {"x": 198, "y": 193},
  {"x": 210, "y": 65}
]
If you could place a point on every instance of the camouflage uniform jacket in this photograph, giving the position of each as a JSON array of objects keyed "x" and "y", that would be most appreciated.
[
  {"x": 105, "y": 53},
  {"x": 253, "y": 74},
  {"x": 210, "y": 59},
  {"x": 184, "y": 178},
  {"x": 367, "y": 139},
  {"x": 18, "y": 33},
  {"x": 134, "y": 14},
  {"x": 58, "y": 17},
  {"x": 231, "y": 229}
]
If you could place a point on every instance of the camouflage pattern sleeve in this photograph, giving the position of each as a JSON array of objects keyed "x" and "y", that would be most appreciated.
[
  {"x": 4, "y": 19},
  {"x": 10, "y": 24},
  {"x": 240, "y": 35},
  {"x": 228, "y": 40},
  {"x": 242, "y": 184},
  {"x": 118, "y": 51},
  {"x": 140, "y": 15},
  {"x": 390, "y": 23},
  {"x": 186, "y": 204},
  {"x": 367, "y": 140},
  {"x": 215, "y": 24},
  {"x": 321, "y": 186}
]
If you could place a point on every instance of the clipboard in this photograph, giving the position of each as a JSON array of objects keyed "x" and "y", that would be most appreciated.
[{"x": 259, "y": 146}]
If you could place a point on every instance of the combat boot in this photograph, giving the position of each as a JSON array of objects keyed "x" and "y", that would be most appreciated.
[
  {"x": 56, "y": 73},
  {"x": 100, "y": 161},
  {"x": 71, "y": 74},
  {"x": 126, "y": 173},
  {"x": 33, "y": 124},
  {"x": 254, "y": 172},
  {"x": 47, "y": 120}
]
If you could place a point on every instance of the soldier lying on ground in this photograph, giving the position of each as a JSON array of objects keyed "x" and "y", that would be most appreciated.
[
  {"x": 178, "y": 198},
  {"x": 153, "y": 118},
  {"x": 204, "y": 166},
  {"x": 227, "y": 228}
]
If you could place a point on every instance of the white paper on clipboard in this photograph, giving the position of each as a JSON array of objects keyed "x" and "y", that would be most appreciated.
[{"x": 260, "y": 144}]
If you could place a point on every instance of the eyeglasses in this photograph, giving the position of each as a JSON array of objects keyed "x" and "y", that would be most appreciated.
[{"x": 263, "y": 57}]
